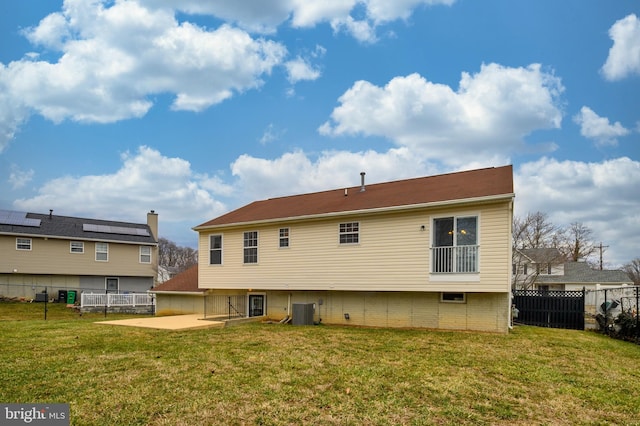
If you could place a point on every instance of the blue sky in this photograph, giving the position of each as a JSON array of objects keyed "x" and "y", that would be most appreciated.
[{"x": 109, "y": 109}]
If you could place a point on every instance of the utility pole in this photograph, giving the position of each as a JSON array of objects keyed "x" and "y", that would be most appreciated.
[{"x": 601, "y": 250}]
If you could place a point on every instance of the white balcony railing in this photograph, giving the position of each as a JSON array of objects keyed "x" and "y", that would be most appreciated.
[
  {"x": 115, "y": 299},
  {"x": 455, "y": 260}
]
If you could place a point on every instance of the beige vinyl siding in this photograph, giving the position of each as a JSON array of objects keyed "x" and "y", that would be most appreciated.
[
  {"x": 393, "y": 254},
  {"x": 480, "y": 312},
  {"x": 53, "y": 256}
]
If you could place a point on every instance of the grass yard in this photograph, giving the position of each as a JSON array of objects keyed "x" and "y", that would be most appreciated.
[{"x": 262, "y": 374}]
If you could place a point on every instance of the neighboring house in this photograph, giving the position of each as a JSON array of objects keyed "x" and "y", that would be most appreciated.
[
  {"x": 529, "y": 264},
  {"x": 601, "y": 286},
  {"x": 180, "y": 294},
  {"x": 579, "y": 275},
  {"x": 165, "y": 273},
  {"x": 39, "y": 251},
  {"x": 431, "y": 252}
]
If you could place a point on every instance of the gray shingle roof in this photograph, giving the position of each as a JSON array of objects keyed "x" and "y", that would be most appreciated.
[
  {"x": 66, "y": 227},
  {"x": 581, "y": 272}
]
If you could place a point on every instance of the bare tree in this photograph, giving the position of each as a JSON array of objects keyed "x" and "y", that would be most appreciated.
[
  {"x": 534, "y": 231},
  {"x": 633, "y": 270},
  {"x": 577, "y": 243},
  {"x": 172, "y": 256}
]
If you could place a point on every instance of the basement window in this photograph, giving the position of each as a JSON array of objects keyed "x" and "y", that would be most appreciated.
[{"x": 453, "y": 297}]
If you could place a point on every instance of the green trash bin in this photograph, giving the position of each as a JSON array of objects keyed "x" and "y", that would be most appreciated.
[{"x": 71, "y": 297}]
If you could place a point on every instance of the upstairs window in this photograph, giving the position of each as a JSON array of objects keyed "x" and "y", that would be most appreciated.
[
  {"x": 102, "y": 252},
  {"x": 215, "y": 250},
  {"x": 23, "y": 243},
  {"x": 76, "y": 247},
  {"x": 349, "y": 233},
  {"x": 455, "y": 245},
  {"x": 284, "y": 238},
  {"x": 251, "y": 247},
  {"x": 145, "y": 254}
]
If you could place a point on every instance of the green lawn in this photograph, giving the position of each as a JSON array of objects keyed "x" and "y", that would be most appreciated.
[{"x": 270, "y": 374}]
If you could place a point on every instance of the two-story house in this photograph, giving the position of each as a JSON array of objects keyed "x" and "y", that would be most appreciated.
[
  {"x": 431, "y": 252},
  {"x": 529, "y": 264},
  {"x": 39, "y": 251}
]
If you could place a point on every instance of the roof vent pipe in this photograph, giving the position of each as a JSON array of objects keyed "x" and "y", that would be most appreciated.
[
  {"x": 50, "y": 214},
  {"x": 362, "y": 189}
]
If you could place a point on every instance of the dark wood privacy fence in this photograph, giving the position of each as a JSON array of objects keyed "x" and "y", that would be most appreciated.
[{"x": 554, "y": 309}]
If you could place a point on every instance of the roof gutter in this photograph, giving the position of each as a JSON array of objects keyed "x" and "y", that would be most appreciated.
[
  {"x": 408, "y": 207},
  {"x": 62, "y": 237}
]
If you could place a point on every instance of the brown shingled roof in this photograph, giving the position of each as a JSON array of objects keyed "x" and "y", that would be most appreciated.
[
  {"x": 470, "y": 184},
  {"x": 186, "y": 280}
]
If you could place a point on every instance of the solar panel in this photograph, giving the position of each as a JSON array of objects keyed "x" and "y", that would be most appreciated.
[
  {"x": 108, "y": 229},
  {"x": 9, "y": 217}
]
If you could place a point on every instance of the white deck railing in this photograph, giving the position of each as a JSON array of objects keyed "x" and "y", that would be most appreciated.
[
  {"x": 114, "y": 299},
  {"x": 455, "y": 259}
]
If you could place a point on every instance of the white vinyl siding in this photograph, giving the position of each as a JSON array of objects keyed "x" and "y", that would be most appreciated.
[{"x": 393, "y": 255}]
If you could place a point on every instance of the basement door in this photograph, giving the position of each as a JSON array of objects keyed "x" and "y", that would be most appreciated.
[{"x": 256, "y": 305}]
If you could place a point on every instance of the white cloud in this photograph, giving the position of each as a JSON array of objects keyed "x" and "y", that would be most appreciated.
[
  {"x": 299, "y": 69},
  {"x": 491, "y": 112},
  {"x": 297, "y": 172},
  {"x": 146, "y": 180},
  {"x": 598, "y": 128},
  {"x": 120, "y": 56},
  {"x": 603, "y": 196},
  {"x": 116, "y": 56},
  {"x": 624, "y": 55},
  {"x": 266, "y": 16},
  {"x": 19, "y": 178},
  {"x": 12, "y": 113},
  {"x": 384, "y": 11},
  {"x": 270, "y": 134}
]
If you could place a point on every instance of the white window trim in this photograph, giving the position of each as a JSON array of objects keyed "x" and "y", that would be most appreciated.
[
  {"x": 107, "y": 252},
  {"x": 150, "y": 254},
  {"x": 221, "y": 249},
  {"x": 464, "y": 297},
  {"x": 256, "y": 247},
  {"x": 22, "y": 242},
  {"x": 288, "y": 238},
  {"x": 340, "y": 243},
  {"x": 71, "y": 243},
  {"x": 106, "y": 280},
  {"x": 457, "y": 277},
  {"x": 264, "y": 302}
]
